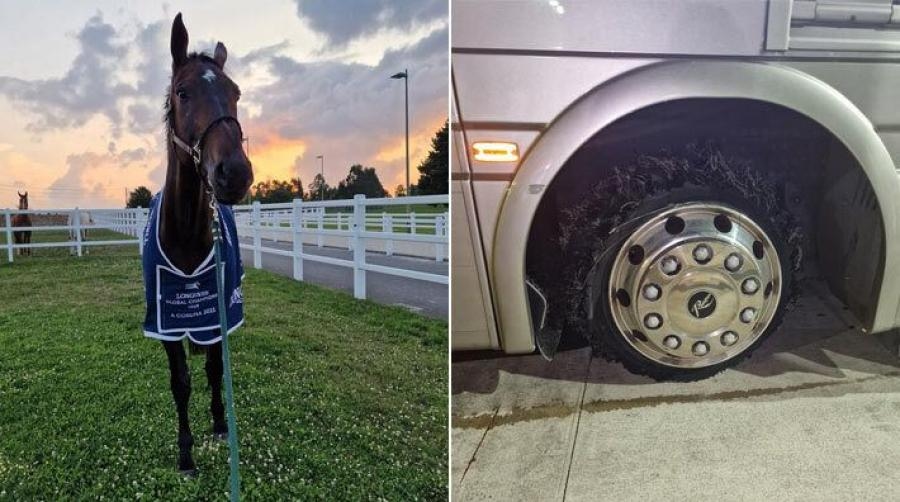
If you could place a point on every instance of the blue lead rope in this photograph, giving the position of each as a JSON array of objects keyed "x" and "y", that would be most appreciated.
[{"x": 226, "y": 358}]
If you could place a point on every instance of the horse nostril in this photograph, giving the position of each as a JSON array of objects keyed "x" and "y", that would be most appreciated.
[
  {"x": 232, "y": 179},
  {"x": 237, "y": 173},
  {"x": 219, "y": 177}
]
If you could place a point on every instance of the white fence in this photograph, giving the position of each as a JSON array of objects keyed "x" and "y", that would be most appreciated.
[
  {"x": 298, "y": 222},
  {"x": 125, "y": 221},
  {"x": 276, "y": 222}
]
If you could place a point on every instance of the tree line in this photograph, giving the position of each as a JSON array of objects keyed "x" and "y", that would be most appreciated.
[{"x": 433, "y": 179}]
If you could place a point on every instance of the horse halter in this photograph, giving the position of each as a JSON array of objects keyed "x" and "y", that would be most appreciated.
[{"x": 196, "y": 151}]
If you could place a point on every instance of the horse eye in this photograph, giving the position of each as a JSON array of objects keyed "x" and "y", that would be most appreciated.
[{"x": 181, "y": 93}]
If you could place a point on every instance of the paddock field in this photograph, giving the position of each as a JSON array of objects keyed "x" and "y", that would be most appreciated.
[
  {"x": 62, "y": 237},
  {"x": 336, "y": 398}
]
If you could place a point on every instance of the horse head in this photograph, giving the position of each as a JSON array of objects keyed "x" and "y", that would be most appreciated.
[
  {"x": 23, "y": 199},
  {"x": 201, "y": 115}
]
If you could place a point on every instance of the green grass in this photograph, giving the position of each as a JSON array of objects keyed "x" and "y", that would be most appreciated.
[{"x": 336, "y": 399}]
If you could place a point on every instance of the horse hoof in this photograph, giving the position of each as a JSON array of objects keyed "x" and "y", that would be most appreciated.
[{"x": 188, "y": 473}]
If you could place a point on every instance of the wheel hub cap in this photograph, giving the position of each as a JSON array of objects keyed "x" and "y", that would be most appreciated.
[
  {"x": 702, "y": 304},
  {"x": 706, "y": 282}
]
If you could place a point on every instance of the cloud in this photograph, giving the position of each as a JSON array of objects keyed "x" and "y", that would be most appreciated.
[
  {"x": 132, "y": 155},
  {"x": 119, "y": 77},
  {"x": 89, "y": 87},
  {"x": 92, "y": 179},
  {"x": 351, "y": 111},
  {"x": 358, "y": 18}
]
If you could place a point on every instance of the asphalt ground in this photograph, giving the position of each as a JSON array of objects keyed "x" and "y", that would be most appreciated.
[
  {"x": 813, "y": 415},
  {"x": 423, "y": 297}
]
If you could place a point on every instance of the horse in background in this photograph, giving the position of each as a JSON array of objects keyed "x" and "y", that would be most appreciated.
[
  {"x": 22, "y": 220},
  {"x": 84, "y": 220}
]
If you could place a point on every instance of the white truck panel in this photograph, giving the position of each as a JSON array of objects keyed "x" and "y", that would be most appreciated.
[{"x": 626, "y": 26}]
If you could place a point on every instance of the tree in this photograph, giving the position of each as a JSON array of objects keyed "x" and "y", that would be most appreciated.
[
  {"x": 400, "y": 191},
  {"x": 297, "y": 187},
  {"x": 139, "y": 197},
  {"x": 360, "y": 180},
  {"x": 272, "y": 191},
  {"x": 318, "y": 188},
  {"x": 434, "y": 169}
]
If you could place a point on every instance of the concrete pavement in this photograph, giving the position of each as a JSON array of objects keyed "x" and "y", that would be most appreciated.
[
  {"x": 813, "y": 415},
  {"x": 426, "y": 298}
]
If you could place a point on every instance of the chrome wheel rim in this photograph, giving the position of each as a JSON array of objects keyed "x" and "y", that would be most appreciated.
[{"x": 695, "y": 285}]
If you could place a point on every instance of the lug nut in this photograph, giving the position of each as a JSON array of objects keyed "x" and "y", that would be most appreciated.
[
  {"x": 748, "y": 314},
  {"x": 700, "y": 349},
  {"x": 669, "y": 265},
  {"x": 750, "y": 286},
  {"x": 702, "y": 253},
  {"x": 729, "y": 338},
  {"x": 733, "y": 262},
  {"x": 671, "y": 342},
  {"x": 651, "y": 292},
  {"x": 653, "y": 321}
]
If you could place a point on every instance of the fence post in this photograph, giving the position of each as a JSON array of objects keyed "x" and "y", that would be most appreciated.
[
  {"x": 297, "y": 234},
  {"x": 76, "y": 217},
  {"x": 321, "y": 223},
  {"x": 9, "y": 235},
  {"x": 138, "y": 219},
  {"x": 359, "y": 249},
  {"x": 273, "y": 226},
  {"x": 439, "y": 232},
  {"x": 351, "y": 221},
  {"x": 257, "y": 242},
  {"x": 446, "y": 236},
  {"x": 412, "y": 222},
  {"x": 387, "y": 225}
]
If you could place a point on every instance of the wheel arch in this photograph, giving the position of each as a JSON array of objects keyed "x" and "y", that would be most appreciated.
[{"x": 670, "y": 81}]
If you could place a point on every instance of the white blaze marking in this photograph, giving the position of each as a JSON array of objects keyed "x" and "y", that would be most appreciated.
[{"x": 209, "y": 75}]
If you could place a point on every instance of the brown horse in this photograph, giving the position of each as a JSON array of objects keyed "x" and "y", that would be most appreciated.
[
  {"x": 204, "y": 155},
  {"x": 22, "y": 220}
]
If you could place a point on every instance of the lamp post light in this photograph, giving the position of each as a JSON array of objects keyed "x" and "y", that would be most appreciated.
[
  {"x": 405, "y": 76},
  {"x": 322, "y": 168}
]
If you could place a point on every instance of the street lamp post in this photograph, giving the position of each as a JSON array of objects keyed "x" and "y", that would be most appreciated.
[
  {"x": 322, "y": 167},
  {"x": 405, "y": 76}
]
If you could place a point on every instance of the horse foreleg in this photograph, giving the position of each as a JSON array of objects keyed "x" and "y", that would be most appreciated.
[
  {"x": 214, "y": 376},
  {"x": 180, "y": 382}
]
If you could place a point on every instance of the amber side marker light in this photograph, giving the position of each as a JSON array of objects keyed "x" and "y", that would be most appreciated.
[{"x": 495, "y": 151}]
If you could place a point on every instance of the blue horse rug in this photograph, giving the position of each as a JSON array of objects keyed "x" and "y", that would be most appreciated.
[{"x": 181, "y": 304}]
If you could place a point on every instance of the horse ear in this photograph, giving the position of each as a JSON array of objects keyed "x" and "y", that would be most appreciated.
[
  {"x": 179, "y": 42},
  {"x": 20, "y": 193},
  {"x": 221, "y": 55}
]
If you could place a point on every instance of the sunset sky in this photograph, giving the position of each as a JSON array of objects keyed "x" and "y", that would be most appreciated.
[{"x": 82, "y": 86}]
